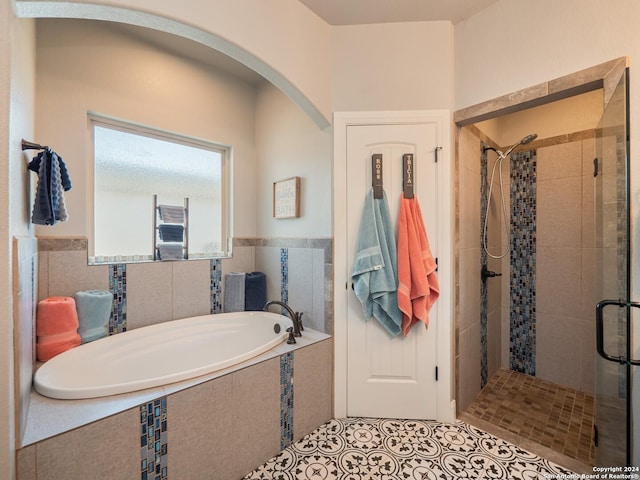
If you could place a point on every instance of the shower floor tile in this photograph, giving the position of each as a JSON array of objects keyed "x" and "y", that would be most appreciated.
[
  {"x": 367, "y": 448},
  {"x": 556, "y": 417}
]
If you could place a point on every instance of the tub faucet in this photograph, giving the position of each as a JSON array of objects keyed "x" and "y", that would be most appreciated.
[{"x": 296, "y": 317}]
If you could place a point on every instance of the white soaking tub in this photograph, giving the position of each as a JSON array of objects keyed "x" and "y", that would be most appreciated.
[{"x": 160, "y": 354}]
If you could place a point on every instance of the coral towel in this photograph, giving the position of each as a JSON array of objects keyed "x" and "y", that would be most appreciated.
[
  {"x": 417, "y": 281},
  {"x": 56, "y": 327}
]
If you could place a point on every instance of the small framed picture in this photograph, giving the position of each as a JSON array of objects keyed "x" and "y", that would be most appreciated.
[{"x": 286, "y": 198}]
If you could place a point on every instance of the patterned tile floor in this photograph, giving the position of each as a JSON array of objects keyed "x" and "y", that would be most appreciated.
[
  {"x": 383, "y": 449},
  {"x": 551, "y": 415}
]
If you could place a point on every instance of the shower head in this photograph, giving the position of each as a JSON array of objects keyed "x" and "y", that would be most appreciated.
[{"x": 522, "y": 141}]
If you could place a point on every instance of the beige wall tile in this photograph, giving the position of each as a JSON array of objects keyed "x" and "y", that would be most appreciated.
[
  {"x": 469, "y": 150},
  {"x": 469, "y": 380},
  {"x": 243, "y": 260},
  {"x": 256, "y": 416},
  {"x": 149, "y": 293},
  {"x": 558, "y": 281},
  {"x": 69, "y": 273},
  {"x": 43, "y": 275},
  {"x": 559, "y": 161},
  {"x": 313, "y": 387},
  {"x": 469, "y": 213},
  {"x": 469, "y": 290},
  {"x": 563, "y": 355},
  {"x": 26, "y": 463},
  {"x": 559, "y": 221},
  {"x": 109, "y": 449},
  {"x": 494, "y": 342},
  {"x": 200, "y": 431},
  {"x": 588, "y": 293},
  {"x": 191, "y": 288}
]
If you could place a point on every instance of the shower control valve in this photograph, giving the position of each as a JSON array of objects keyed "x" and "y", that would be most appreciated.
[{"x": 486, "y": 273}]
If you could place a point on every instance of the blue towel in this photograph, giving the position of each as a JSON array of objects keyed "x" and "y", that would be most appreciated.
[
  {"x": 94, "y": 311},
  {"x": 53, "y": 181},
  {"x": 234, "y": 285},
  {"x": 171, "y": 233},
  {"x": 375, "y": 269},
  {"x": 171, "y": 213},
  {"x": 170, "y": 251},
  {"x": 255, "y": 291}
]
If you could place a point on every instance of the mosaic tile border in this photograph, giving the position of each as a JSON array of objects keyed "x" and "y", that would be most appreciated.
[
  {"x": 215, "y": 285},
  {"x": 284, "y": 275},
  {"x": 484, "y": 302},
  {"x": 522, "y": 316},
  {"x": 118, "y": 287},
  {"x": 153, "y": 440},
  {"x": 286, "y": 400}
]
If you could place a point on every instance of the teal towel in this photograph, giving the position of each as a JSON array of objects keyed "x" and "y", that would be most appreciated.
[
  {"x": 94, "y": 311},
  {"x": 375, "y": 269}
]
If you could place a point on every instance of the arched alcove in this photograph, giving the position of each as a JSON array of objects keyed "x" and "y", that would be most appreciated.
[{"x": 296, "y": 61}]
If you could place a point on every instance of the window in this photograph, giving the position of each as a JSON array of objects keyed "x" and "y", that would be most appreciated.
[{"x": 131, "y": 165}]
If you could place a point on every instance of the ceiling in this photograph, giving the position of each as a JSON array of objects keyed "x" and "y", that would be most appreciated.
[{"x": 354, "y": 12}]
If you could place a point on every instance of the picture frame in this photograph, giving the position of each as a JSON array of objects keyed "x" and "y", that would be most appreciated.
[{"x": 286, "y": 198}]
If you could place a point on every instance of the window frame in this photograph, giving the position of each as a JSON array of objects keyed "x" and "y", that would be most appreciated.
[{"x": 226, "y": 153}]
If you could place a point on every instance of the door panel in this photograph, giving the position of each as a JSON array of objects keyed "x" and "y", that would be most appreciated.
[
  {"x": 391, "y": 377},
  {"x": 613, "y": 387}
]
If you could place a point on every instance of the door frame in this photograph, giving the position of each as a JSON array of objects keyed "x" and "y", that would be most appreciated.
[{"x": 341, "y": 121}]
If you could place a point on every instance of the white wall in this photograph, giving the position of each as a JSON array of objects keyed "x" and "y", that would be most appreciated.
[
  {"x": 87, "y": 66},
  {"x": 515, "y": 44},
  {"x": 281, "y": 39},
  {"x": 17, "y": 73},
  {"x": 395, "y": 66},
  {"x": 289, "y": 144}
]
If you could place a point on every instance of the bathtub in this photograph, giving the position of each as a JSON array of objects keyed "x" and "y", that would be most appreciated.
[{"x": 160, "y": 354}]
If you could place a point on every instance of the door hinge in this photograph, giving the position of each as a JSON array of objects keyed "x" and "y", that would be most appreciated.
[
  {"x": 436, "y": 152},
  {"x": 436, "y": 374},
  {"x": 436, "y": 259},
  {"x": 595, "y": 435},
  {"x": 595, "y": 167}
]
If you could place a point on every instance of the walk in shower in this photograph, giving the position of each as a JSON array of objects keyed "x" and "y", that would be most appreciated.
[{"x": 544, "y": 227}]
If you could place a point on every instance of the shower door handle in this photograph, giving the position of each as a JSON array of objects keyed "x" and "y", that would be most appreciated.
[{"x": 600, "y": 331}]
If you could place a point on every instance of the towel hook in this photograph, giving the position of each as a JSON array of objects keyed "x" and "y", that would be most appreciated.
[
  {"x": 376, "y": 175},
  {"x": 407, "y": 175}
]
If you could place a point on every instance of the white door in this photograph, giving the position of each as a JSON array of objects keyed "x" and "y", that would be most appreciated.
[{"x": 391, "y": 377}]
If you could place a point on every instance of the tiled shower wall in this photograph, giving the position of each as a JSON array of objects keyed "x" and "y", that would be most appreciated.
[
  {"x": 471, "y": 329},
  {"x": 563, "y": 256},
  {"x": 564, "y": 263}
]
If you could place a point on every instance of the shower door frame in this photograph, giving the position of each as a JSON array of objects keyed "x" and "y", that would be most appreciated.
[{"x": 605, "y": 76}]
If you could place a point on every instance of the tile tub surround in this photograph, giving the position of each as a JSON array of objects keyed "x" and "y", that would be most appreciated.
[
  {"x": 161, "y": 291},
  {"x": 217, "y": 426}
]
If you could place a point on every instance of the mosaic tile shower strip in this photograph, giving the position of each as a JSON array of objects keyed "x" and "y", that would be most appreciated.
[
  {"x": 284, "y": 275},
  {"x": 522, "y": 331},
  {"x": 118, "y": 286},
  {"x": 286, "y": 400},
  {"x": 215, "y": 285},
  {"x": 153, "y": 440},
  {"x": 484, "y": 369}
]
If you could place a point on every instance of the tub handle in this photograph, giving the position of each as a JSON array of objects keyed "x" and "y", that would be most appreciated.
[{"x": 292, "y": 338}]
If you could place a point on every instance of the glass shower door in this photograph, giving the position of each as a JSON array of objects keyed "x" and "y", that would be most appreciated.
[{"x": 613, "y": 336}]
